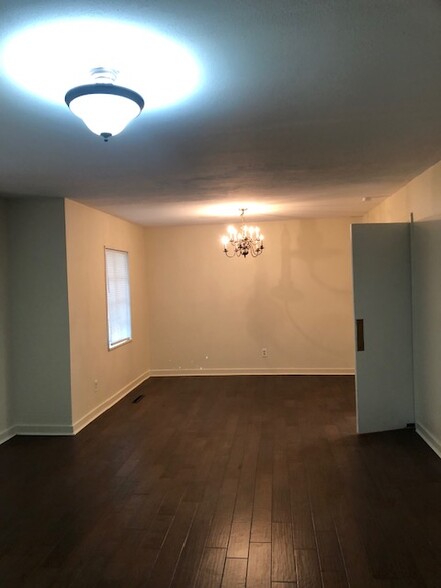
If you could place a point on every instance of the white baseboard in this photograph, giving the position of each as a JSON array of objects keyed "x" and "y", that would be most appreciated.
[
  {"x": 6, "y": 434},
  {"x": 429, "y": 438},
  {"x": 254, "y": 372},
  {"x": 22, "y": 429},
  {"x": 98, "y": 410}
]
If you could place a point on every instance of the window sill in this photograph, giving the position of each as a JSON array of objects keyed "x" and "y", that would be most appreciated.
[{"x": 119, "y": 344}]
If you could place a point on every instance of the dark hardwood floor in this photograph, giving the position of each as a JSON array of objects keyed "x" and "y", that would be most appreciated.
[{"x": 222, "y": 482}]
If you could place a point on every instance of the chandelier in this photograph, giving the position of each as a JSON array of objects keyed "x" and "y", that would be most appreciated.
[
  {"x": 245, "y": 241},
  {"x": 105, "y": 108}
]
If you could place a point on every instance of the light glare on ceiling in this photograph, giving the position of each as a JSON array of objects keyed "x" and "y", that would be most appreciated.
[
  {"x": 49, "y": 58},
  {"x": 229, "y": 210}
]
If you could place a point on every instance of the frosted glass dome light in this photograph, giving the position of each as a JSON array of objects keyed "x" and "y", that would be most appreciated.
[{"x": 105, "y": 108}]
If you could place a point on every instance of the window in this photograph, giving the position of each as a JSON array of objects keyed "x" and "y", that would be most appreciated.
[{"x": 119, "y": 326}]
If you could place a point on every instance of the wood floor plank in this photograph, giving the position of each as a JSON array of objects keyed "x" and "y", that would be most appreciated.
[
  {"x": 211, "y": 568},
  {"x": 164, "y": 568},
  {"x": 235, "y": 573},
  {"x": 222, "y": 520},
  {"x": 261, "y": 526},
  {"x": 131, "y": 565},
  {"x": 302, "y": 525},
  {"x": 220, "y": 531},
  {"x": 172, "y": 500},
  {"x": 246, "y": 488},
  {"x": 329, "y": 551},
  {"x": 262, "y": 506},
  {"x": 281, "y": 507},
  {"x": 189, "y": 561},
  {"x": 283, "y": 566},
  {"x": 239, "y": 539},
  {"x": 155, "y": 535},
  {"x": 336, "y": 579},
  {"x": 353, "y": 549},
  {"x": 259, "y": 566},
  {"x": 308, "y": 570}
]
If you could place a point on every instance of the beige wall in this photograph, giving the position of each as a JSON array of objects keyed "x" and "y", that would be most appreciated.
[
  {"x": 213, "y": 314},
  {"x": 39, "y": 320},
  {"x": 88, "y": 231},
  {"x": 5, "y": 408},
  {"x": 422, "y": 197}
]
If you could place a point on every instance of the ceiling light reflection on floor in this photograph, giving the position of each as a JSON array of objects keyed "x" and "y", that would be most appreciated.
[{"x": 48, "y": 59}]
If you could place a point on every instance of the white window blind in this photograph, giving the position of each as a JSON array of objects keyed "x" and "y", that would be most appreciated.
[{"x": 118, "y": 297}]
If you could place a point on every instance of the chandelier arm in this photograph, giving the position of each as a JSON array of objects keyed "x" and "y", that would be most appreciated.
[{"x": 230, "y": 255}]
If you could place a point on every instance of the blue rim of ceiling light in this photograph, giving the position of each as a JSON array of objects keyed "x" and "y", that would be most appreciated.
[{"x": 104, "y": 89}]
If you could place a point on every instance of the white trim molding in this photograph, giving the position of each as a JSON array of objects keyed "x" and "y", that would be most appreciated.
[
  {"x": 254, "y": 372},
  {"x": 6, "y": 434},
  {"x": 429, "y": 438},
  {"x": 22, "y": 429},
  {"x": 98, "y": 410}
]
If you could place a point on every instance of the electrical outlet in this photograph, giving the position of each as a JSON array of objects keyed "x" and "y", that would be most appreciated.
[
  {"x": 264, "y": 352},
  {"x": 95, "y": 385}
]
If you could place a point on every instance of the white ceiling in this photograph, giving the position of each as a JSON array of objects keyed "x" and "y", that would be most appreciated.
[{"x": 306, "y": 107}]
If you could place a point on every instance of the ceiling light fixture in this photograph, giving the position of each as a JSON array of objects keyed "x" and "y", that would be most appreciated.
[
  {"x": 245, "y": 241},
  {"x": 105, "y": 108}
]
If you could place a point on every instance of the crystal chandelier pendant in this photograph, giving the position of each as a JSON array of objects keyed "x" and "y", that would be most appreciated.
[{"x": 246, "y": 241}]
